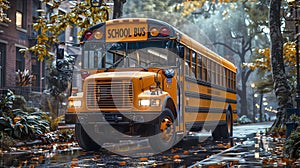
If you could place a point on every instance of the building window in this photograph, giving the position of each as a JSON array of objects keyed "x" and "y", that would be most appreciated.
[
  {"x": 20, "y": 14},
  {"x": 20, "y": 60},
  {"x": 19, "y": 19}
]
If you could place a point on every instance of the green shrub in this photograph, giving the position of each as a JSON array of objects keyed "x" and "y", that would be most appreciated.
[
  {"x": 292, "y": 145},
  {"x": 22, "y": 125},
  {"x": 18, "y": 123}
]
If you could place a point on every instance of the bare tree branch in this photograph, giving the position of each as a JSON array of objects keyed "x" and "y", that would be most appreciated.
[{"x": 227, "y": 46}]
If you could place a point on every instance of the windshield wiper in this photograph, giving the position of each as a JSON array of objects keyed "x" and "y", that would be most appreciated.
[{"x": 114, "y": 65}]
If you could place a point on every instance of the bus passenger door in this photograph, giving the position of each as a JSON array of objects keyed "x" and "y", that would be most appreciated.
[{"x": 180, "y": 91}]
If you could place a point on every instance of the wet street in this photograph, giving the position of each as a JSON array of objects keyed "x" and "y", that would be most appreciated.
[{"x": 196, "y": 150}]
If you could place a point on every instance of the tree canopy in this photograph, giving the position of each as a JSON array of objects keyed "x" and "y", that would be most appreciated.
[
  {"x": 80, "y": 14},
  {"x": 4, "y": 6}
]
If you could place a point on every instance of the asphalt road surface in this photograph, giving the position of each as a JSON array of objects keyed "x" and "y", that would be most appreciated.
[{"x": 194, "y": 149}]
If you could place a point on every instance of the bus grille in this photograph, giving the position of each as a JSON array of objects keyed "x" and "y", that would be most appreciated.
[{"x": 109, "y": 95}]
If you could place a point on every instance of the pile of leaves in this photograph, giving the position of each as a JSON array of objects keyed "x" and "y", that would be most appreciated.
[{"x": 20, "y": 124}]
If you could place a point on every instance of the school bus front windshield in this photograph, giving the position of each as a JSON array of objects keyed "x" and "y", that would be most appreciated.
[{"x": 142, "y": 54}]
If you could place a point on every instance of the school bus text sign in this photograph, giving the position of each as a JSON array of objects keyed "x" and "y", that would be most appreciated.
[{"x": 126, "y": 32}]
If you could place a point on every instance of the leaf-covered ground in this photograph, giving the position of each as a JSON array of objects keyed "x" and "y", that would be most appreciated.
[{"x": 59, "y": 149}]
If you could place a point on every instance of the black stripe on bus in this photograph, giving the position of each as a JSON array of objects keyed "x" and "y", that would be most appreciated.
[
  {"x": 204, "y": 110},
  {"x": 209, "y": 97},
  {"x": 209, "y": 125},
  {"x": 201, "y": 82}
]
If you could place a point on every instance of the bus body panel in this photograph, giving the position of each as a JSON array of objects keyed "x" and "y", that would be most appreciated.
[{"x": 200, "y": 93}]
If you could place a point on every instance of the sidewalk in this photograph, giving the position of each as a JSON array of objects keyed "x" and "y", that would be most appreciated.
[{"x": 259, "y": 150}]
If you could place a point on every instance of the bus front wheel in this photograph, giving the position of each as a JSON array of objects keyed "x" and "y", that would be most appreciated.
[
  {"x": 164, "y": 134},
  {"x": 84, "y": 140}
]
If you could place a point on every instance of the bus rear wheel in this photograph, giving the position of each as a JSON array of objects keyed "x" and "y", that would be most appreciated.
[
  {"x": 84, "y": 140},
  {"x": 229, "y": 121},
  {"x": 224, "y": 131},
  {"x": 164, "y": 134}
]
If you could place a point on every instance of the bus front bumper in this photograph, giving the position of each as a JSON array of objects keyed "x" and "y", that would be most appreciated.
[{"x": 111, "y": 117}]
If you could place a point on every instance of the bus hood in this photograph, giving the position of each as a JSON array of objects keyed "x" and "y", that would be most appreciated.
[{"x": 121, "y": 75}]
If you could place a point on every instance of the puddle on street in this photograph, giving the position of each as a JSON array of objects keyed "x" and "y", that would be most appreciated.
[{"x": 39, "y": 155}]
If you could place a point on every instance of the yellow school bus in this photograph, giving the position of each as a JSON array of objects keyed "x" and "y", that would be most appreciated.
[{"x": 145, "y": 78}]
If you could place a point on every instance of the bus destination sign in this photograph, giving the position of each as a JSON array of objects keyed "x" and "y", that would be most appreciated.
[{"x": 126, "y": 32}]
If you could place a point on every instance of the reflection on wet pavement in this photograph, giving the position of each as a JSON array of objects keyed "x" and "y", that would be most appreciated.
[{"x": 254, "y": 149}]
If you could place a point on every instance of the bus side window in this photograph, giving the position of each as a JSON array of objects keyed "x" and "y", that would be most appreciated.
[
  {"x": 199, "y": 67},
  {"x": 218, "y": 74},
  {"x": 194, "y": 65},
  {"x": 228, "y": 78},
  {"x": 234, "y": 81},
  {"x": 180, "y": 51},
  {"x": 222, "y": 76},
  {"x": 208, "y": 67},
  {"x": 187, "y": 61},
  {"x": 204, "y": 65},
  {"x": 213, "y": 72}
]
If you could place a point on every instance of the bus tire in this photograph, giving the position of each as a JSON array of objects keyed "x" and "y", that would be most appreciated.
[
  {"x": 217, "y": 133},
  {"x": 164, "y": 133},
  {"x": 84, "y": 140},
  {"x": 229, "y": 123},
  {"x": 224, "y": 131}
]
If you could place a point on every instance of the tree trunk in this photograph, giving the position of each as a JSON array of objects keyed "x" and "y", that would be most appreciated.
[
  {"x": 243, "y": 97},
  {"x": 118, "y": 8},
  {"x": 260, "y": 107},
  {"x": 282, "y": 88}
]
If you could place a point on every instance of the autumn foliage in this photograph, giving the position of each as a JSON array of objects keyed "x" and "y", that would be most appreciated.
[
  {"x": 263, "y": 57},
  {"x": 81, "y": 15},
  {"x": 187, "y": 7}
]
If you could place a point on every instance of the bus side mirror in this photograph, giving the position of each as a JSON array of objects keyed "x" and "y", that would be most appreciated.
[{"x": 169, "y": 73}]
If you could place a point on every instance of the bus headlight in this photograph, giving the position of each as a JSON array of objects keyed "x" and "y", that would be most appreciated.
[
  {"x": 155, "y": 102},
  {"x": 149, "y": 102},
  {"x": 74, "y": 103},
  {"x": 144, "y": 102}
]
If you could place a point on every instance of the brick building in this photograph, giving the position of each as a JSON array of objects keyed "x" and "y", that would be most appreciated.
[
  {"x": 14, "y": 36},
  {"x": 19, "y": 34}
]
